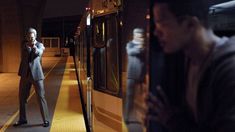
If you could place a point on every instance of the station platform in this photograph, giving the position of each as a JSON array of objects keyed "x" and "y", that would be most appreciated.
[{"x": 62, "y": 96}]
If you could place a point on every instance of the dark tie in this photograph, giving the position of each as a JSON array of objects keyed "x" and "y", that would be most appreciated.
[{"x": 30, "y": 55}]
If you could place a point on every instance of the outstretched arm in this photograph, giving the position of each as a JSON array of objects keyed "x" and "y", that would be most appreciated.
[
  {"x": 38, "y": 50},
  {"x": 131, "y": 50}
]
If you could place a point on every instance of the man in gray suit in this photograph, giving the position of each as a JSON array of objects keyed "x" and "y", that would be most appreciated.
[
  {"x": 31, "y": 73},
  {"x": 136, "y": 70}
]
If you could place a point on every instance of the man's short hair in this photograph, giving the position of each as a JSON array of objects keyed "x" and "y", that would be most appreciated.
[
  {"x": 197, "y": 8},
  {"x": 138, "y": 31},
  {"x": 32, "y": 30}
]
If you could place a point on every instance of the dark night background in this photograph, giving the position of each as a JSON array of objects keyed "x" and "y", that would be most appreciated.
[{"x": 61, "y": 18}]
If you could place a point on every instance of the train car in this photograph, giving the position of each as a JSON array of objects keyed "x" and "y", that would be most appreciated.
[
  {"x": 221, "y": 18},
  {"x": 101, "y": 58}
]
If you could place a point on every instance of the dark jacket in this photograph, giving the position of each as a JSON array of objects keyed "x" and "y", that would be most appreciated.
[
  {"x": 136, "y": 67},
  {"x": 215, "y": 98}
]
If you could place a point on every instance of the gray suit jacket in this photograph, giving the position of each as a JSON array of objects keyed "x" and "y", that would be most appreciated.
[
  {"x": 136, "y": 67},
  {"x": 31, "y": 62}
]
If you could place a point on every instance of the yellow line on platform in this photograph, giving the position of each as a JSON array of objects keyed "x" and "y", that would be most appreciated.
[
  {"x": 68, "y": 116},
  {"x": 12, "y": 118}
]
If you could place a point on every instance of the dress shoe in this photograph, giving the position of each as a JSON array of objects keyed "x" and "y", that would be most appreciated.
[
  {"x": 46, "y": 124},
  {"x": 18, "y": 123}
]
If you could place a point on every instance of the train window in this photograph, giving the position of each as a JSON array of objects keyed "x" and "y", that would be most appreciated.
[
  {"x": 112, "y": 55},
  {"x": 99, "y": 33},
  {"x": 101, "y": 68},
  {"x": 84, "y": 51},
  {"x": 221, "y": 18},
  {"x": 77, "y": 50},
  {"x": 106, "y": 64}
]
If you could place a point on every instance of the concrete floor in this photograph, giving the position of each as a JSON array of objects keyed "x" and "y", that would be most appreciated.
[{"x": 62, "y": 96}]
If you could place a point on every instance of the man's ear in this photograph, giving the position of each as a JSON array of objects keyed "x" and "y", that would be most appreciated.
[{"x": 191, "y": 23}]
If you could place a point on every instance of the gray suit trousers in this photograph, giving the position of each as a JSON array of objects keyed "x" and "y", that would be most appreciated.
[
  {"x": 130, "y": 115},
  {"x": 24, "y": 91}
]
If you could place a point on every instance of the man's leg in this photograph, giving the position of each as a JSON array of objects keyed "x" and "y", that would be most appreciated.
[
  {"x": 129, "y": 100},
  {"x": 24, "y": 91},
  {"x": 39, "y": 89},
  {"x": 132, "y": 123}
]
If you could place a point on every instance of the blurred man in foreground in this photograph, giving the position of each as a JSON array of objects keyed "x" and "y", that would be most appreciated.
[{"x": 208, "y": 98}]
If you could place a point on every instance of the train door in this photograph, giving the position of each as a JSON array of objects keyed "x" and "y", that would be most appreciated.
[{"x": 107, "y": 103}]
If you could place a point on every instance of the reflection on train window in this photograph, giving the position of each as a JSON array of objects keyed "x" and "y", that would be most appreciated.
[
  {"x": 106, "y": 56},
  {"x": 100, "y": 68},
  {"x": 77, "y": 50},
  {"x": 112, "y": 54},
  {"x": 99, "y": 33},
  {"x": 83, "y": 50}
]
